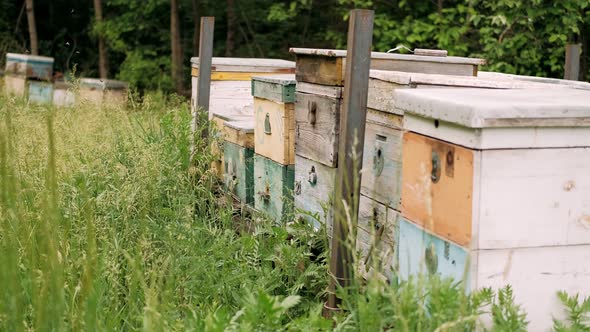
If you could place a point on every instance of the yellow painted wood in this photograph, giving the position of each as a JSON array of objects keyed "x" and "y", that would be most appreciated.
[
  {"x": 238, "y": 76},
  {"x": 278, "y": 144},
  {"x": 443, "y": 204},
  {"x": 240, "y": 133}
]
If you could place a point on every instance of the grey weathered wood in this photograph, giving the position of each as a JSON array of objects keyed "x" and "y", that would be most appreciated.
[
  {"x": 572, "y": 62},
  {"x": 317, "y": 140},
  {"x": 382, "y": 158},
  {"x": 279, "y": 89},
  {"x": 350, "y": 151},
  {"x": 205, "y": 54},
  {"x": 322, "y": 90},
  {"x": 254, "y": 65},
  {"x": 381, "y": 96},
  {"x": 313, "y": 193}
]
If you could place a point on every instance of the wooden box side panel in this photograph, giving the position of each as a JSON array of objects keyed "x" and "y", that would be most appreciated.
[
  {"x": 239, "y": 137},
  {"x": 381, "y": 179},
  {"x": 443, "y": 203},
  {"x": 15, "y": 85},
  {"x": 534, "y": 197},
  {"x": 276, "y": 144},
  {"x": 239, "y": 171},
  {"x": 92, "y": 96},
  {"x": 376, "y": 238},
  {"x": 40, "y": 92},
  {"x": 273, "y": 186},
  {"x": 273, "y": 91},
  {"x": 420, "y": 252},
  {"x": 314, "y": 187},
  {"x": 536, "y": 275},
  {"x": 317, "y": 123},
  {"x": 381, "y": 95},
  {"x": 320, "y": 70}
]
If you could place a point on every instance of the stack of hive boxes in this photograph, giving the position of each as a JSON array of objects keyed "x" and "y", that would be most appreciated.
[
  {"x": 320, "y": 78},
  {"x": 29, "y": 76},
  {"x": 274, "y": 135},
  {"x": 231, "y": 109},
  {"x": 496, "y": 191}
]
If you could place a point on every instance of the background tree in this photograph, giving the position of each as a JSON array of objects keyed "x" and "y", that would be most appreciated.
[
  {"x": 103, "y": 64},
  {"x": 32, "y": 27},
  {"x": 177, "y": 58}
]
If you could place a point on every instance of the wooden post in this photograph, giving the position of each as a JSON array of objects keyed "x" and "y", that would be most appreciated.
[
  {"x": 350, "y": 152},
  {"x": 572, "y": 62}
]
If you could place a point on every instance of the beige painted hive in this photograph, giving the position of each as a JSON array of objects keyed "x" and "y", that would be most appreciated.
[
  {"x": 496, "y": 191},
  {"x": 100, "y": 91}
]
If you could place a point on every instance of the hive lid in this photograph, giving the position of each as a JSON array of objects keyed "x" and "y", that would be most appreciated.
[
  {"x": 285, "y": 79},
  {"x": 99, "y": 83},
  {"x": 534, "y": 79},
  {"x": 28, "y": 58},
  {"x": 405, "y": 78},
  {"x": 246, "y": 126},
  {"x": 390, "y": 56},
  {"x": 248, "y": 64},
  {"x": 483, "y": 108}
]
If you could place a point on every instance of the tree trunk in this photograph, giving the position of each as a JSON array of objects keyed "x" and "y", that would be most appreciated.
[
  {"x": 176, "y": 48},
  {"x": 196, "y": 33},
  {"x": 32, "y": 27},
  {"x": 439, "y": 6},
  {"x": 231, "y": 23},
  {"x": 103, "y": 60}
]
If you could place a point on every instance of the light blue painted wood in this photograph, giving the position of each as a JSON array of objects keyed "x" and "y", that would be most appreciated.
[
  {"x": 273, "y": 188},
  {"x": 40, "y": 92},
  {"x": 420, "y": 252},
  {"x": 239, "y": 171}
]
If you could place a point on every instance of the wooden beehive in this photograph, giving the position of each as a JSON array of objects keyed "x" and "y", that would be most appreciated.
[
  {"x": 39, "y": 92},
  {"x": 103, "y": 91},
  {"x": 495, "y": 184},
  {"x": 15, "y": 85},
  {"x": 231, "y": 85},
  {"x": 63, "y": 94},
  {"x": 238, "y": 163},
  {"x": 218, "y": 143},
  {"x": 274, "y": 98},
  {"x": 29, "y": 66}
]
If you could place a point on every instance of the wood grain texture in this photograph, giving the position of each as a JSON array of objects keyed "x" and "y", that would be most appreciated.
[
  {"x": 533, "y": 198},
  {"x": 240, "y": 132},
  {"x": 40, "y": 92},
  {"x": 239, "y": 76},
  {"x": 381, "y": 95},
  {"x": 15, "y": 85},
  {"x": 239, "y": 171},
  {"x": 320, "y": 70},
  {"x": 442, "y": 206},
  {"x": 536, "y": 274},
  {"x": 246, "y": 64},
  {"x": 279, "y": 143},
  {"x": 421, "y": 252},
  {"x": 316, "y": 137},
  {"x": 381, "y": 177},
  {"x": 318, "y": 89},
  {"x": 376, "y": 238},
  {"x": 314, "y": 199},
  {"x": 273, "y": 188},
  {"x": 279, "y": 90}
]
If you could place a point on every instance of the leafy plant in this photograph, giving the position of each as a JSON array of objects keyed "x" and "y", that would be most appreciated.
[{"x": 578, "y": 313}]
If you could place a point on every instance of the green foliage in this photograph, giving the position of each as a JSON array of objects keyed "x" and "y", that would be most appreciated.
[{"x": 578, "y": 314}]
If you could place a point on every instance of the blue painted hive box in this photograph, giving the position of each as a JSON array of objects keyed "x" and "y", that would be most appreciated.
[{"x": 29, "y": 66}]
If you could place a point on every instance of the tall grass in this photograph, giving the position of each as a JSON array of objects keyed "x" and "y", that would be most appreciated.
[{"x": 104, "y": 226}]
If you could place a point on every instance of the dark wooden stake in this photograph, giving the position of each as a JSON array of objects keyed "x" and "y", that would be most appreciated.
[
  {"x": 572, "y": 62},
  {"x": 350, "y": 152}
]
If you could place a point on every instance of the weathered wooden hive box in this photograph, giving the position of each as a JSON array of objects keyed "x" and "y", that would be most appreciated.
[
  {"x": 99, "y": 91},
  {"x": 238, "y": 163},
  {"x": 217, "y": 145},
  {"x": 320, "y": 78},
  {"x": 533, "y": 79},
  {"x": 231, "y": 85},
  {"x": 29, "y": 66},
  {"x": 274, "y": 135},
  {"x": 495, "y": 190},
  {"x": 63, "y": 94},
  {"x": 39, "y": 92}
]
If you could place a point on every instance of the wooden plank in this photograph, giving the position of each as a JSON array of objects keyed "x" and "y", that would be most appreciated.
[
  {"x": 317, "y": 124},
  {"x": 238, "y": 76},
  {"x": 533, "y": 198},
  {"x": 320, "y": 70},
  {"x": 536, "y": 275},
  {"x": 420, "y": 252},
  {"x": 322, "y": 90},
  {"x": 247, "y": 64},
  {"x": 275, "y": 130},
  {"x": 314, "y": 186},
  {"x": 437, "y": 187},
  {"x": 381, "y": 178},
  {"x": 40, "y": 92},
  {"x": 284, "y": 93},
  {"x": 500, "y": 138},
  {"x": 239, "y": 171},
  {"x": 15, "y": 85},
  {"x": 381, "y": 95},
  {"x": 273, "y": 188},
  {"x": 240, "y": 132},
  {"x": 376, "y": 238}
]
